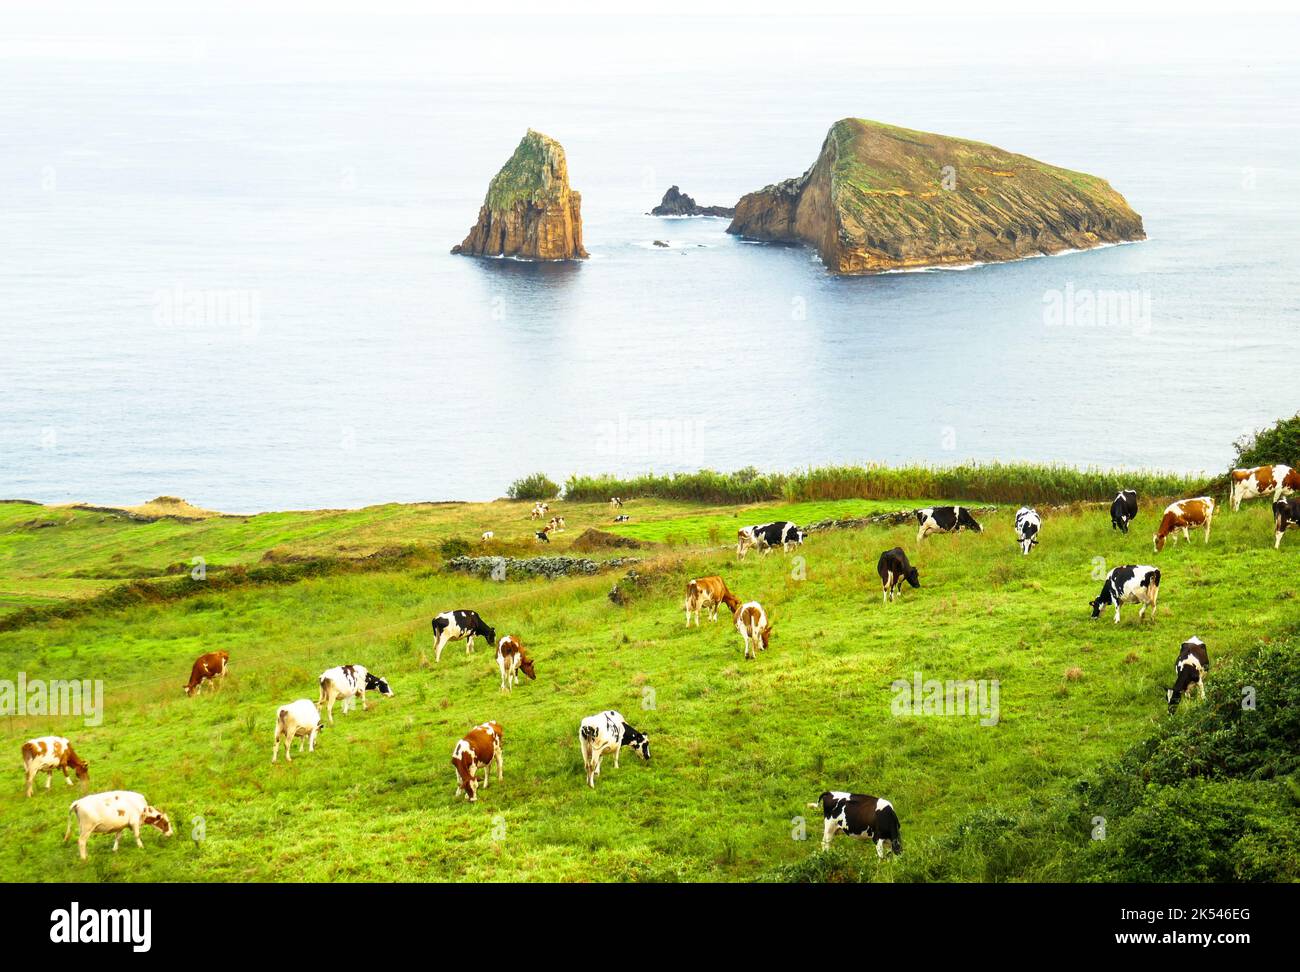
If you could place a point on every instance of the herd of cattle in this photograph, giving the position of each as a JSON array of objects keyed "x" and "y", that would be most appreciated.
[{"x": 858, "y": 815}]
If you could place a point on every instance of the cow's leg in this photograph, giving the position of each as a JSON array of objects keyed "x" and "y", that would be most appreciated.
[
  {"x": 1117, "y": 612},
  {"x": 49, "y": 778},
  {"x": 365, "y": 707},
  {"x": 117, "y": 839},
  {"x": 66, "y": 778},
  {"x": 31, "y": 778},
  {"x": 829, "y": 829},
  {"x": 1277, "y": 539},
  {"x": 1200, "y": 685},
  {"x": 82, "y": 838},
  {"x": 135, "y": 829},
  {"x": 469, "y": 644},
  {"x": 311, "y": 741},
  {"x": 1208, "y": 521},
  {"x": 880, "y": 849},
  {"x": 501, "y": 762}
]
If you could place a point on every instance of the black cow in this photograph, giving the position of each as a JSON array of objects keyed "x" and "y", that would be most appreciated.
[
  {"x": 1123, "y": 508},
  {"x": 894, "y": 568},
  {"x": 1129, "y": 584},
  {"x": 1193, "y": 662},
  {"x": 864, "y": 817},
  {"x": 944, "y": 519},
  {"x": 454, "y": 625},
  {"x": 1286, "y": 514},
  {"x": 765, "y": 536}
]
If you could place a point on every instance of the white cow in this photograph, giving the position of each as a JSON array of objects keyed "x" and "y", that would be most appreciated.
[
  {"x": 1028, "y": 523},
  {"x": 112, "y": 813},
  {"x": 346, "y": 682},
  {"x": 608, "y": 732},
  {"x": 45, "y": 754},
  {"x": 300, "y": 718},
  {"x": 488, "y": 535}
]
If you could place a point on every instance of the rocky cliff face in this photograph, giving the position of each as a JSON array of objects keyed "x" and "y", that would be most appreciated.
[
  {"x": 677, "y": 203},
  {"x": 881, "y": 198},
  {"x": 530, "y": 212}
]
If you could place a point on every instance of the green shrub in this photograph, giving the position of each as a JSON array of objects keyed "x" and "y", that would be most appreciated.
[
  {"x": 453, "y": 547},
  {"x": 1280, "y": 443},
  {"x": 538, "y": 486}
]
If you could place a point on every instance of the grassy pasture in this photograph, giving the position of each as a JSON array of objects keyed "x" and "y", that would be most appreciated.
[{"x": 738, "y": 747}]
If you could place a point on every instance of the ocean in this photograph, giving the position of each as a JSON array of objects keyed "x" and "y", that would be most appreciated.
[{"x": 227, "y": 277}]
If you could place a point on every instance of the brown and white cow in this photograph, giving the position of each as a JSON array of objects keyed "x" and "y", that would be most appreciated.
[
  {"x": 45, "y": 754},
  {"x": 1274, "y": 481},
  {"x": 708, "y": 593},
  {"x": 1286, "y": 515},
  {"x": 480, "y": 747},
  {"x": 210, "y": 666},
  {"x": 751, "y": 622},
  {"x": 556, "y": 524},
  {"x": 511, "y": 660},
  {"x": 539, "y": 511},
  {"x": 112, "y": 813},
  {"x": 1183, "y": 514}
]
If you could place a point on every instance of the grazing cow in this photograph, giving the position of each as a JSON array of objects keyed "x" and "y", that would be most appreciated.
[
  {"x": 556, "y": 524},
  {"x": 1276, "y": 481},
  {"x": 112, "y": 813},
  {"x": 608, "y": 732},
  {"x": 622, "y": 518},
  {"x": 1181, "y": 515},
  {"x": 300, "y": 718},
  {"x": 615, "y": 503},
  {"x": 708, "y": 593},
  {"x": 539, "y": 511},
  {"x": 511, "y": 660},
  {"x": 209, "y": 666},
  {"x": 1193, "y": 662},
  {"x": 480, "y": 746},
  {"x": 1028, "y": 524},
  {"x": 1286, "y": 514},
  {"x": 751, "y": 622},
  {"x": 1130, "y": 584},
  {"x": 860, "y": 816},
  {"x": 1123, "y": 508},
  {"x": 454, "y": 625},
  {"x": 894, "y": 568},
  {"x": 487, "y": 535},
  {"x": 944, "y": 519},
  {"x": 346, "y": 682},
  {"x": 45, "y": 754},
  {"x": 541, "y": 535},
  {"x": 765, "y": 536}
]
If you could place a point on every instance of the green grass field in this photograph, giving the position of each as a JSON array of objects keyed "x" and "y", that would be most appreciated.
[{"x": 739, "y": 747}]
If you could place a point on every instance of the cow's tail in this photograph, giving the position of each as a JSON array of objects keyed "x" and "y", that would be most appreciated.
[
  {"x": 820, "y": 802},
  {"x": 692, "y": 594},
  {"x": 323, "y": 693}
]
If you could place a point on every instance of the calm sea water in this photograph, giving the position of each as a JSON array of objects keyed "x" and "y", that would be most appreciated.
[{"x": 232, "y": 283}]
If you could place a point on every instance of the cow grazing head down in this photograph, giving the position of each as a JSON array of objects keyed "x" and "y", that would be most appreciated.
[
  {"x": 376, "y": 684},
  {"x": 156, "y": 818},
  {"x": 638, "y": 742},
  {"x": 765, "y": 636},
  {"x": 966, "y": 521},
  {"x": 526, "y": 666}
]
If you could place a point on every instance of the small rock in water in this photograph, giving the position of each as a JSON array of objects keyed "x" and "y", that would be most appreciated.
[{"x": 660, "y": 243}]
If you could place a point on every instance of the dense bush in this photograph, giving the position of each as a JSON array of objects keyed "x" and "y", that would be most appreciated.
[
  {"x": 538, "y": 486},
  {"x": 453, "y": 547},
  {"x": 1280, "y": 443},
  {"x": 989, "y": 482}
]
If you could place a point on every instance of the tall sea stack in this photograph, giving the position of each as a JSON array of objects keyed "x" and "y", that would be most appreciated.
[
  {"x": 530, "y": 212},
  {"x": 883, "y": 198}
]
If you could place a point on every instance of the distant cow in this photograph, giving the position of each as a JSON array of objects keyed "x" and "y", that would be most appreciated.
[
  {"x": 454, "y": 625},
  {"x": 487, "y": 535},
  {"x": 622, "y": 518},
  {"x": 539, "y": 511},
  {"x": 944, "y": 519},
  {"x": 1123, "y": 508},
  {"x": 1286, "y": 514},
  {"x": 346, "y": 682},
  {"x": 210, "y": 666},
  {"x": 765, "y": 536},
  {"x": 751, "y": 622},
  {"x": 1193, "y": 662},
  {"x": 708, "y": 593},
  {"x": 300, "y": 718},
  {"x": 112, "y": 813},
  {"x": 542, "y": 535},
  {"x": 1181, "y": 515},
  {"x": 894, "y": 568},
  {"x": 45, "y": 754},
  {"x": 615, "y": 503},
  {"x": 1028, "y": 524},
  {"x": 1130, "y": 584},
  {"x": 511, "y": 660},
  {"x": 556, "y": 524},
  {"x": 479, "y": 747},
  {"x": 860, "y": 816},
  {"x": 608, "y": 732},
  {"x": 1274, "y": 481}
]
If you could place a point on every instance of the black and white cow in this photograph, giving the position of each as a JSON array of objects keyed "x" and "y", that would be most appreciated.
[
  {"x": 860, "y": 816},
  {"x": 944, "y": 519},
  {"x": 454, "y": 625},
  {"x": 1123, "y": 508},
  {"x": 894, "y": 568},
  {"x": 346, "y": 682},
  {"x": 765, "y": 536},
  {"x": 1130, "y": 584},
  {"x": 622, "y": 518},
  {"x": 1027, "y": 525},
  {"x": 1286, "y": 514},
  {"x": 1193, "y": 662},
  {"x": 608, "y": 732}
]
